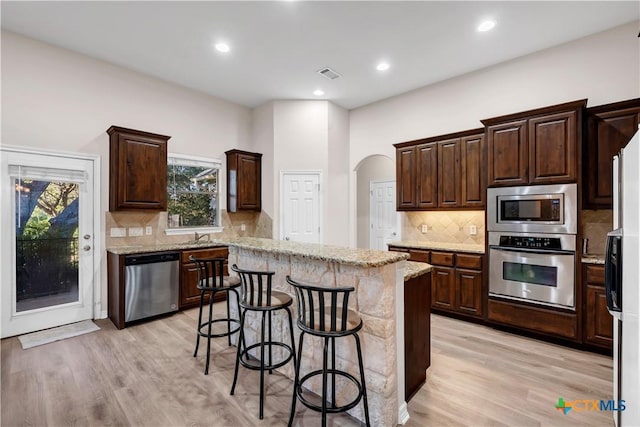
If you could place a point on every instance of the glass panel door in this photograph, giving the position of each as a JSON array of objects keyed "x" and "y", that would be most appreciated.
[
  {"x": 46, "y": 230},
  {"x": 47, "y": 256}
]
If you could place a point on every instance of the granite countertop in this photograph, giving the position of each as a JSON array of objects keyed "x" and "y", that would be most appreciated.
[
  {"x": 443, "y": 246},
  {"x": 592, "y": 259},
  {"x": 339, "y": 254},
  {"x": 414, "y": 269},
  {"x": 128, "y": 250}
]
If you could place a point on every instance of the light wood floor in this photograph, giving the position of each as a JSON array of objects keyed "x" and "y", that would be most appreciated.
[{"x": 145, "y": 376}]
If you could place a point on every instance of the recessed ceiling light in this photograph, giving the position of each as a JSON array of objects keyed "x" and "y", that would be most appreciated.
[
  {"x": 222, "y": 47},
  {"x": 486, "y": 26},
  {"x": 383, "y": 66},
  {"x": 318, "y": 92}
]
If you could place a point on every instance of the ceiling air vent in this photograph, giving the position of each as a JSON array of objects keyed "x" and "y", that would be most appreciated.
[{"x": 328, "y": 73}]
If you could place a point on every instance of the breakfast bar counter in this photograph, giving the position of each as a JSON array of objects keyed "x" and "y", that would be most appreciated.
[{"x": 379, "y": 298}]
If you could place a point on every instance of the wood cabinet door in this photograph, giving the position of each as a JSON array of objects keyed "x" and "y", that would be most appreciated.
[
  {"x": 405, "y": 178},
  {"x": 442, "y": 288},
  {"x": 427, "y": 175},
  {"x": 473, "y": 177},
  {"x": 508, "y": 153},
  {"x": 449, "y": 174},
  {"x": 189, "y": 292},
  {"x": 138, "y": 170},
  {"x": 607, "y": 133},
  {"x": 468, "y": 292},
  {"x": 598, "y": 321},
  {"x": 249, "y": 182},
  {"x": 553, "y": 148}
]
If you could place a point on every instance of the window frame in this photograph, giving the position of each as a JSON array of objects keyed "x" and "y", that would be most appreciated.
[{"x": 189, "y": 160}]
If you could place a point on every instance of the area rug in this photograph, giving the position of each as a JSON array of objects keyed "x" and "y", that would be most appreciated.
[{"x": 56, "y": 334}]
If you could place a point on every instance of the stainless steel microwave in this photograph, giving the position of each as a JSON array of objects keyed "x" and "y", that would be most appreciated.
[{"x": 534, "y": 208}]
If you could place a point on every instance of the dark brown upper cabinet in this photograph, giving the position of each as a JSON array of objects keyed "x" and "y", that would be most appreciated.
[
  {"x": 609, "y": 128},
  {"x": 137, "y": 170},
  {"x": 535, "y": 147},
  {"x": 244, "y": 181},
  {"x": 442, "y": 172}
]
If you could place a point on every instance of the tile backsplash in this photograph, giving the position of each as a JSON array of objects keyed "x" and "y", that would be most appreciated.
[
  {"x": 256, "y": 224},
  {"x": 444, "y": 226},
  {"x": 595, "y": 226}
]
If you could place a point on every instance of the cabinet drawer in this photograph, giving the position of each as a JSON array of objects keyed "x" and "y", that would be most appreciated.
[
  {"x": 442, "y": 258},
  {"x": 398, "y": 249},
  {"x": 418, "y": 255},
  {"x": 473, "y": 262},
  {"x": 222, "y": 252},
  {"x": 595, "y": 274}
]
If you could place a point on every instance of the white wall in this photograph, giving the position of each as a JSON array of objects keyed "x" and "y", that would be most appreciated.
[
  {"x": 337, "y": 196},
  {"x": 56, "y": 99},
  {"x": 604, "y": 68},
  {"x": 262, "y": 142}
]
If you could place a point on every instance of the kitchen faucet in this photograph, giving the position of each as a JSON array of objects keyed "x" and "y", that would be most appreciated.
[{"x": 200, "y": 236}]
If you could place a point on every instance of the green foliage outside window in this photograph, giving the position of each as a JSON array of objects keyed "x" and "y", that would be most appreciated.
[{"x": 192, "y": 193}]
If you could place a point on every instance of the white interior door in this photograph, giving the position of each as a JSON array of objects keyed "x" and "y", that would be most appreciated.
[
  {"x": 300, "y": 207},
  {"x": 47, "y": 261},
  {"x": 382, "y": 213}
]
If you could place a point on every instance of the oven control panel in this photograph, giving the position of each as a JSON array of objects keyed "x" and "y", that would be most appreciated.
[{"x": 530, "y": 242}]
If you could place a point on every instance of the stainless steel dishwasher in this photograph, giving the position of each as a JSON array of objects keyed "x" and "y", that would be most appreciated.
[{"x": 151, "y": 284}]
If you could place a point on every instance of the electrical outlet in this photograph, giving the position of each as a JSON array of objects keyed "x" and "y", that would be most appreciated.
[
  {"x": 473, "y": 230},
  {"x": 424, "y": 228},
  {"x": 118, "y": 232},
  {"x": 135, "y": 231},
  {"x": 243, "y": 227},
  {"x": 148, "y": 230}
]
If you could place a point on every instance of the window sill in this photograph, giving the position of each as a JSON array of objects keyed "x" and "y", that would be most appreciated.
[{"x": 191, "y": 230}]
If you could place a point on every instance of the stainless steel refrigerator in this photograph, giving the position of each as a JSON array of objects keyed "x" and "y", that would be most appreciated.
[{"x": 622, "y": 277}]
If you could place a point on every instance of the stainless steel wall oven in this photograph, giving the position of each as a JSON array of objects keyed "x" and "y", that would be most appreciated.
[{"x": 532, "y": 243}]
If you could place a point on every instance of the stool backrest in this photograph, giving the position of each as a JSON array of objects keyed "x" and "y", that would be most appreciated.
[
  {"x": 210, "y": 271},
  {"x": 256, "y": 286},
  {"x": 321, "y": 308}
]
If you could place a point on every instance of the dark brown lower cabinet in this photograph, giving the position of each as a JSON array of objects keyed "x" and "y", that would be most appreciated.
[
  {"x": 538, "y": 319},
  {"x": 598, "y": 323},
  {"x": 189, "y": 292},
  {"x": 457, "y": 283},
  {"x": 417, "y": 333}
]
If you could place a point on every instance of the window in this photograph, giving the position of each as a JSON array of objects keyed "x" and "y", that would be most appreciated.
[{"x": 192, "y": 194}]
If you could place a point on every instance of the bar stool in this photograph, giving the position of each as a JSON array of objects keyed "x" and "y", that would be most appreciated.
[
  {"x": 258, "y": 296},
  {"x": 211, "y": 280},
  {"x": 324, "y": 312}
]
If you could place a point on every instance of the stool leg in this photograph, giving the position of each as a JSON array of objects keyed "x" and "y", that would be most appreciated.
[
  {"x": 296, "y": 366},
  {"x": 239, "y": 352},
  {"x": 228, "y": 320},
  {"x": 333, "y": 373},
  {"x": 270, "y": 346},
  {"x": 206, "y": 368},
  {"x": 195, "y": 353},
  {"x": 324, "y": 381},
  {"x": 264, "y": 313},
  {"x": 364, "y": 386}
]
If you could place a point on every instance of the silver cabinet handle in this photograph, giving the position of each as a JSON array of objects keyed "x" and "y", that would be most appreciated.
[{"x": 86, "y": 248}]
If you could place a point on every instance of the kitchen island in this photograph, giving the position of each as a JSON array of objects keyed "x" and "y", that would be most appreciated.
[{"x": 379, "y": 298}]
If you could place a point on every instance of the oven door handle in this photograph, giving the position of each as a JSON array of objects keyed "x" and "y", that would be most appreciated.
[{"x": 533, "y": 251}]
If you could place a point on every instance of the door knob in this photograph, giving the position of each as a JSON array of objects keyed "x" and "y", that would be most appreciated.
[
  {"x": 86, "y": 248},
  {"x": 286, "y": 238},
  {"x": 393, "y": 234},
  {"x": 86, "y": 236}
]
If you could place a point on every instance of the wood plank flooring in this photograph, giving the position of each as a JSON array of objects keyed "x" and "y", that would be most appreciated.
[{"x": 145, "y": 375}]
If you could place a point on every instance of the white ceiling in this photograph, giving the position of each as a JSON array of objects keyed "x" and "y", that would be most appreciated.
[{"x": 277, "y": 47}]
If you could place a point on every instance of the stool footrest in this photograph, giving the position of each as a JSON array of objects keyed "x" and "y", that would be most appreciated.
[
  {"x": 255, "y": 363},
  {"x": 330, "y": 409},
  {"x": 205, "y": 334}
]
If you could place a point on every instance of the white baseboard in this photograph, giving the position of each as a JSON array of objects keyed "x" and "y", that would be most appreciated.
[{"x": 403, "y": 414}]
